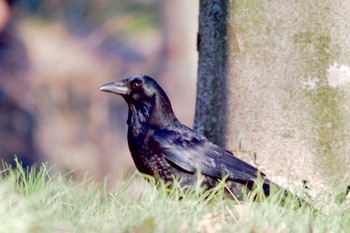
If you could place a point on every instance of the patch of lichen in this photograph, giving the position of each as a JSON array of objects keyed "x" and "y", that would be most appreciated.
[
  {"x": 247, "y": 20},
  {"x": 316, "y": 53},
  {"x": 328, "y": 124}
]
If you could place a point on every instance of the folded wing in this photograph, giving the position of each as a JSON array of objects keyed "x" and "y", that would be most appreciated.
[{"x": 186, "y": 149}]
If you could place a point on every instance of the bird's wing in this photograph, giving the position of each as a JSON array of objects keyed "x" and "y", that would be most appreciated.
[{"x": 189, "y": 151}]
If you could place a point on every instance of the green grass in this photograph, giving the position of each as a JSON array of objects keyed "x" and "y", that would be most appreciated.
[{"x": 37, "y": 201}]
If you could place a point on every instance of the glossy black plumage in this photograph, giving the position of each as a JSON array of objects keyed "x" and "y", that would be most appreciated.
[{"x": 164, "y": 148}]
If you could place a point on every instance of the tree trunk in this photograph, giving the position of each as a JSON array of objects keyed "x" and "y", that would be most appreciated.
[
  {"x": 211, "y": 102},
  {"x": 274, "y": 84}
]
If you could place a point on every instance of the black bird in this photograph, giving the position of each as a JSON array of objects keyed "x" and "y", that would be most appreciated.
[{"x": 162, "y": 147}]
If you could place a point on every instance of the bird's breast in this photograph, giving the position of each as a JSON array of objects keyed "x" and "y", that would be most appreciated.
[{"x": 138, "y": 145}]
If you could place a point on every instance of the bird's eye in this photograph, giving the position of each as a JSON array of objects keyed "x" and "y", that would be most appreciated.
[{"x": 136, "y": 86}]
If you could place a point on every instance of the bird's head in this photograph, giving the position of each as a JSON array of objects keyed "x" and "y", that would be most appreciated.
[{"x": 147, "y": 101}]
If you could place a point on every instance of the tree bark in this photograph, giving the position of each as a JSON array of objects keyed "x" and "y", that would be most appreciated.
[
  {"x": 274, "y": 83},
  {"x": 211, "y": 102}
]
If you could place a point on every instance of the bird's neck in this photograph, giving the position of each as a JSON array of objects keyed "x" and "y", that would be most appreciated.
[{"x": 157, "y": 115}]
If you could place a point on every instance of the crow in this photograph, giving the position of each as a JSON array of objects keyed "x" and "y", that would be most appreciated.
[{"x": 162, "y": 147}]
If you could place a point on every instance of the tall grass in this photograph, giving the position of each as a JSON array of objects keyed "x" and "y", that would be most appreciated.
[{"x": 38, "y": 201}]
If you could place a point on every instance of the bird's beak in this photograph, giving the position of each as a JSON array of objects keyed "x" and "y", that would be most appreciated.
[{"x": 118, "y": 88}]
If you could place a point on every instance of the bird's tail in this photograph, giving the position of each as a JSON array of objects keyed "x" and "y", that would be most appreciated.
[
  {"x": 288, "y": 198},
  {"x": 263, "y": 188}
]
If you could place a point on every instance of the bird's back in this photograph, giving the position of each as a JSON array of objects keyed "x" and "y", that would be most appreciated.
[{"x": 178, "y": 151}]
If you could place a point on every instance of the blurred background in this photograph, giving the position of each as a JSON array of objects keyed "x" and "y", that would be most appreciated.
[{"x": 55, "y": 54}]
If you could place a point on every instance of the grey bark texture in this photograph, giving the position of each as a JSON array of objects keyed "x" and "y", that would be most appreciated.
[{"x": 211, "y": 103}]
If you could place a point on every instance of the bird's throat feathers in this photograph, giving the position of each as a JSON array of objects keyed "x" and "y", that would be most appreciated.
[{"x": 156, "y": 112}]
